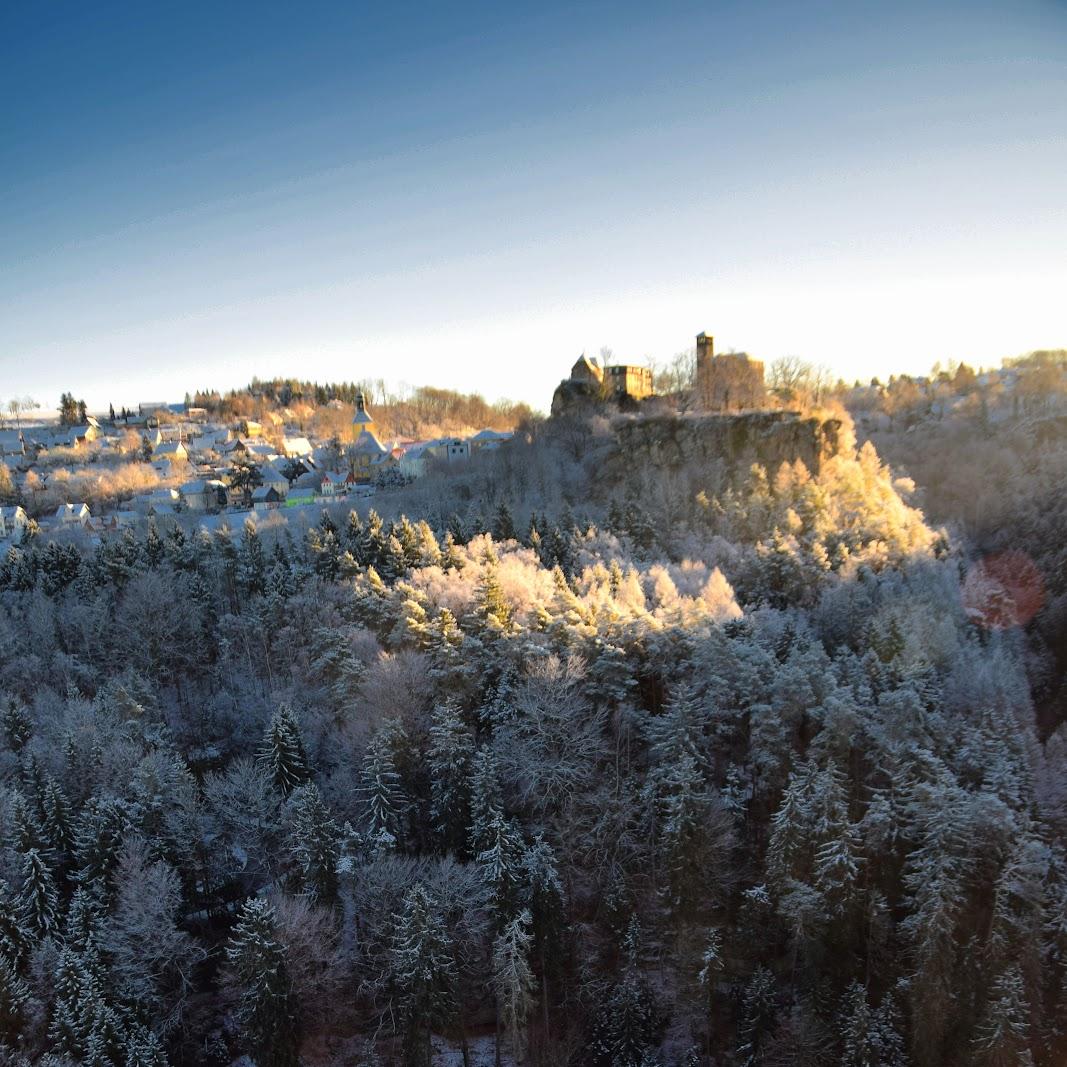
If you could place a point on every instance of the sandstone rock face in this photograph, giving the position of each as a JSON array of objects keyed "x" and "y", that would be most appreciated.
[{"x": 725, "y": 443}]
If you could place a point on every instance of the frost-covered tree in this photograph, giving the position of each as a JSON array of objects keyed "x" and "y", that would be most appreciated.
[
  {"x": 38, "y": 900},
  {"x": 422, "y": 969},
  {"x": 258, "y": 973},
  {"x": 513, "y": 980},
  {"x": 450, "y": 757},
  {"x": 382, "y": 794},
  {"x": 314, "y": 844},
  {"x": 282, "y": 752}
]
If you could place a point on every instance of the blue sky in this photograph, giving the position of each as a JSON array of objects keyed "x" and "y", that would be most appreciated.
[{"x": 192, "y": 194}]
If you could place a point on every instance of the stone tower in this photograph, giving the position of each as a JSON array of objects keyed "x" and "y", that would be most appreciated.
[
  {"x": 705, "y": 348},
  {"x": 705, "y": 354},
  {"x": 733, "y": 382}
]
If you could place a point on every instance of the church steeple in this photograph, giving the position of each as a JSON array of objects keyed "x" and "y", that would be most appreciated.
[{"x": 362, "y": 420}]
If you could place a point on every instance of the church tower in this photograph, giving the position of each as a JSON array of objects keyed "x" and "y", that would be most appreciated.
[{"x": 362, "y": 420}]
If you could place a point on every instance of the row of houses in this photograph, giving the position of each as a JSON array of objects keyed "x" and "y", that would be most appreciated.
[{"x": 290, "y": 468}]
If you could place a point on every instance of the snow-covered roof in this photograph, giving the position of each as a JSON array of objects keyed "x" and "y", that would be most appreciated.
[{"x": 366, "y": 442}]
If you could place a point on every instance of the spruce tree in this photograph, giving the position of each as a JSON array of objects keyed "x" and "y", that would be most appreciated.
[
  {"x": 382, "y": 795},
  {"x": 13, "y": 940},
  {"x": 486, "y": 799},
  {"x": 450, "y": 758},
  {"x": 282, "y": 753},
  {"x": 14, "y": 1000},
  {"x": 314, "y": 843},
  {"x": 98, "y": 836},
  {"x": 17, "y": 725},
  {"x": 144, "y": 1049},
  {"x": 265, "y": 1007},
  {"x": 1003, "y": 1036},
  {"x": 251, "y": 561},
  {"x": 501, "y": 867},
  {"x": 492, "y": 608},
  {"x": 503, "y": 528},
  {"x": 423, "y": 972},
  {"x": 38, "y": 902}
]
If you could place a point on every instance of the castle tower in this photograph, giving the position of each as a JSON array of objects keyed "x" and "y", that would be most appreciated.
[
  {"x": 705, "y": 355},
  {"x": 705, "y": 348}
]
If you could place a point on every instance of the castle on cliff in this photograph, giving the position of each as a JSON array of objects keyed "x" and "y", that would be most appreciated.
[{"x": 724, "y": 383}]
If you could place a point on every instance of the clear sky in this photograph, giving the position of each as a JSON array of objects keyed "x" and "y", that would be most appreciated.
[{"x": 470, "y": 195}]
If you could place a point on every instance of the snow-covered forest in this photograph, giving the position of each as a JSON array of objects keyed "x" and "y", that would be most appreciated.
[{"x": 662, "y": 773}]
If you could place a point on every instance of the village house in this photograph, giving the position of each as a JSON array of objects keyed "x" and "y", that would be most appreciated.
[
  {"x": 450, "y": 449},
  {"x": 264, "y": 496},
  {"x": 13, "y": 523},
  {"x": 72, "y": 514},
  {"x": 412, "y": 462},
  {"x": 203, "y": 494},
  {"x": 296, "y": 447},
  {"x": 12, "y": 443},
  {"x": 332, "y": 483},
  {"x": 489, "y": 440},
  {"x": 79, "y": 436},
  {"x": 172, "y": 452}
]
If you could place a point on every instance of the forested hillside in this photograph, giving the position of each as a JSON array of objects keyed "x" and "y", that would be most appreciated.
[
  {"x": 999, "y": 484},
  {"x": 665, "y": 773}
]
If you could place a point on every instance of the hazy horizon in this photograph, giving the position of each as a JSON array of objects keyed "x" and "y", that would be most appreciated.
[{"x": 471, "y": 199}]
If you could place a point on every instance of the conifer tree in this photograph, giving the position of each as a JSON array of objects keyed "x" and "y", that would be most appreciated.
[
  {"x": 493, "y": 610},
  {"x": 38, "y": 902},
  {"x": 450, "y": 759},
  {"x": 1003, "y": 1036},
  {"x": 451, "y": 560},
  {"x": 503, "y": 528},
  {"x": 501, "y": 867},
  {"x": 144, "y": 1049},
  {"x": 265, "y": 1008},
  {"x": 98, "y": 835},
  {"x": 486, "y": 799},
  {"x": 372, "y": 546},
  {"x": 85, "y": 918},
  {"x": 544, "y": 899},
  {"x": 429, "y": 552},
  {"x": 282, "y": 753},
  {"x": 13, "y": 941},
  {"x": 758, "y": 1013},
  {"x": 407, "y": 538},
  {"x": 154, "y": 549},
  {"x": 314, "y": 843},
  {"x": 14, "y": 999},
  {"x": 251, "y": 561},
  {"x": 382, "y": 795},
  {"x": 870, "y": 1037},
  {"x": 17, "y": 725},
  {"x": 630, "y": 1023},
  {"x": 685, "y": 813},
  {"x": 423, "y": 971},
  {"x": 57, "y": 821}
]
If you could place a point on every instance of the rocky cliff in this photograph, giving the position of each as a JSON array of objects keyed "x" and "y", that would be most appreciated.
[{"x": 723, "y": 443}]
